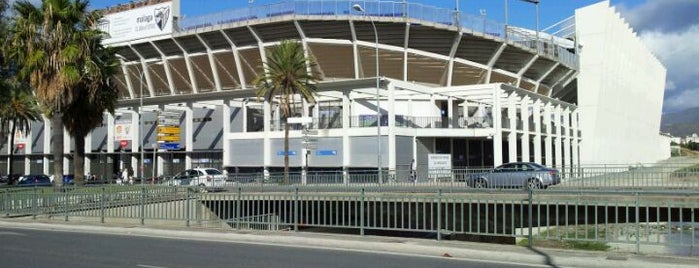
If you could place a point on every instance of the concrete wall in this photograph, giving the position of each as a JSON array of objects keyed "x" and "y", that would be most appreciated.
[{"x": 620, "y": 91}]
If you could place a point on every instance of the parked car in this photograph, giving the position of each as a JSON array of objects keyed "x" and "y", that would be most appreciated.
[
  {"x": 9, "y": 179},
  {"x": 517, "y": 174},
  {"x": 68, "y": 179},
  {"x": 34, "y": 180},
  {"x": 207, "y": 178}
]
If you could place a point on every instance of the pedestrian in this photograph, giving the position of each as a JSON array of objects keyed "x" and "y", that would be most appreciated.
[
  {"x": 124, "y": 175},
  {"x": 413, "y": 171}
]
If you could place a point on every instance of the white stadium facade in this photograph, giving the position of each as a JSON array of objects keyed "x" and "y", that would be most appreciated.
[{"x": 585, "y": 91}]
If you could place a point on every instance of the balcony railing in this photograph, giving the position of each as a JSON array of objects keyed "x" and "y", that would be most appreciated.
[{"x": 341, "y": 8}]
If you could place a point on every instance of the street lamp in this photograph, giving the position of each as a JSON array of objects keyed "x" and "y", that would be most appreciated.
[
  {"x": 141, "y": 73},
  {"x": 536, "y": 3},
  {"x": 359, "y": 8}
]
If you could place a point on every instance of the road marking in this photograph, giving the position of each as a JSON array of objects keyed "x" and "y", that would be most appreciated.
[
  {"x": 149, "y": 266},
  {"x": 12, "y": 233}
]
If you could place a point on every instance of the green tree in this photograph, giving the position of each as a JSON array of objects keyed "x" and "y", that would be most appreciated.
[
  {"x": 54, "y": 46},
  {"x": 19, "y": 109},
  {"x": 96, "y": 93},
  {"x": 285, "y": 75}
]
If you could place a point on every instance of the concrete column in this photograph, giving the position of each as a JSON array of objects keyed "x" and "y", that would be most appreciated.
[
  {"x": 88, "y": 149},
  {"x": 537, "y": 131},
  {"x": 346, "y": 150},
  {"x": 66, "y": 151},
  {"x": 525, "y": 128},
  {"x": 558, "y": 143},
  {"x": 135, "y": 142},
  {"x": 566, "y": 139},
  {"x": 575, "y": 142},
  {"x": 226, "y": 118},
  {"x": 47, "y": 141},
  {"x": 245, "y": 115},
  {"x": 497, "y": 128},
  {"x": 391, "y": 128},
  {"x": 548, "y": 139},
  {"x": 28, "y": 151},
  {"x": 267, "y": 114},
  {"x": 161, "y": 156},
  {"x": 450, "y": 111},
  {"x": 189, "y": 134},
  {"x": 512, "y": 136}
]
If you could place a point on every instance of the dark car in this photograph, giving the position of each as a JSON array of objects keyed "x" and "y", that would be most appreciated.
[
  {"x": 34, "y": 180},
  {"x": 9, "y": 179},
  {"x": 68, "y": 179},
  {"x": 517, "y": 174}
]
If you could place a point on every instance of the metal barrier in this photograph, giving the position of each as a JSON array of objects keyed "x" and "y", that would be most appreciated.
[
  {"x": 623, "y": 220},
  {"x": 607, "y": 177}
]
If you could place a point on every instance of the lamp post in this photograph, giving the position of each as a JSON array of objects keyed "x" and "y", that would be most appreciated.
[
  {"x": 359, "y": 8},
  {"x": 536, "y": 3},
  {"x": 141, "y": 73}
]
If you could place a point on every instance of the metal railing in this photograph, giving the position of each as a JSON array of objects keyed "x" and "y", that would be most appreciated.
[
  {"x": 626, "y": 220},
  {"x": 387, "y": 9}
]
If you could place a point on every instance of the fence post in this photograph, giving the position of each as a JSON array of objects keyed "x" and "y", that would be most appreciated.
[
  {"x": 638, "y": 223},
  {"x": 102, "y": 205},
  {"x": 238, "y": 206},
  {"x": 35, "y": 200},
  {"x": 187, "y": 200},
  {"x": 65, "y": 204},
  {"x": 361, "y": 213},
  {"x": 143, "y": 205},
  {"x": 296, "y": 209},
  {"x": 439, "y": 215},
  {"x": 5, "y": 200},
  {"x": 529, "y": 233}
]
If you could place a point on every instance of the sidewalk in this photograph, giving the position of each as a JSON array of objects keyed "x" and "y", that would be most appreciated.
[{"x": 391, "y": 245}]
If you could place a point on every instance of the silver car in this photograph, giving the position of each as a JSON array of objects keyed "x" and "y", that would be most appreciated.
[
  {"x": 517, "y": 174},
  {"x": 207, "y": 178}
]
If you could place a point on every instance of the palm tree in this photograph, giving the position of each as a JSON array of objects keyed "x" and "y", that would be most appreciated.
[
  {"x": 95, "y": 94},
  {"x": 19, "y": 109},
  {"x": 49, "y": 43},
  {"x": 285, "y": 75}
]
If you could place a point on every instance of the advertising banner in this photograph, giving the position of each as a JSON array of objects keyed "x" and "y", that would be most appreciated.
[
  {"x": 138, "y": 23},
  {"x": 122, "y": 130}
]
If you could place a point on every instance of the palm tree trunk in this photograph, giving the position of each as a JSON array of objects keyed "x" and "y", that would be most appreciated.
[
  {"x": 12, "y": 149},
  {"x": 57, "y": 149},
  {"x": 286, "y": 152},
  {"x": 79, "y": 159}
]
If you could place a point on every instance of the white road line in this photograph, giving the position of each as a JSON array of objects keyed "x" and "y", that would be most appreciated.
[{"x": 149, "y": 266}]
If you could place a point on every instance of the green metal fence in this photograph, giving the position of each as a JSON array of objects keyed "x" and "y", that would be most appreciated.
[{"x": 625, "y": 220}]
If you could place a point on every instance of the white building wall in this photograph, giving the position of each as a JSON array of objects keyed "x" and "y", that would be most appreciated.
[{"x": 620, "y": 91}]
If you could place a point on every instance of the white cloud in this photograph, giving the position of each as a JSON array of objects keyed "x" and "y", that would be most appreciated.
[
  {"x": 678, "y": 51},
  {"x": 685, "y": 99}
]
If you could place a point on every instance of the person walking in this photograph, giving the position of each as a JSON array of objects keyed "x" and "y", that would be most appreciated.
[{"x": 413, "y": 171}]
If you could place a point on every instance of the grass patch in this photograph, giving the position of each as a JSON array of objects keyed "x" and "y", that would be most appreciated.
[{"x": 580, "y": 238}]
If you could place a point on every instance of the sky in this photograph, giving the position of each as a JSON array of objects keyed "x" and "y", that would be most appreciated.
[{"x": 670, "y": 28}]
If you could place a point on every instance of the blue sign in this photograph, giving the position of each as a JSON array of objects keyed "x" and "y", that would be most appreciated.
[
  {"x": 282, "y": 152},
  {"x": 326, "y": 152},
  {"x": 169, "y": 146}
]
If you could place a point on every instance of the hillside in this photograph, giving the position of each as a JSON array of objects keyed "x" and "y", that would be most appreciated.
[{"x": 682, "y": 123}]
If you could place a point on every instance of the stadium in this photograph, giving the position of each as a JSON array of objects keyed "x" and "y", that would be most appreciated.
[{"x": 399, "y": 82}]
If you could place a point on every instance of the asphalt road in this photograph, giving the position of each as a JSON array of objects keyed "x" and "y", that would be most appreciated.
[{"x": 40, "y": 248}]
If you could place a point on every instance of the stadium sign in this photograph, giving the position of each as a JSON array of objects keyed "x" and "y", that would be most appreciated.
[{"x": 138, "y": 23}]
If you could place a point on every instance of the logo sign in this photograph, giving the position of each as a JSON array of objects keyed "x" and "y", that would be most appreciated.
[
  {"x": 123, "y": 143},
  {"x": 20, "y": 146},
  {"x": 164, "y": 137},
  {"x": 168, "y": 130},
  {"x": 161, "y": 16}
]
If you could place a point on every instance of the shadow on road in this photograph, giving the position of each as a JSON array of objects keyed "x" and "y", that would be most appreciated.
[{"x": 548, "y": 259}]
